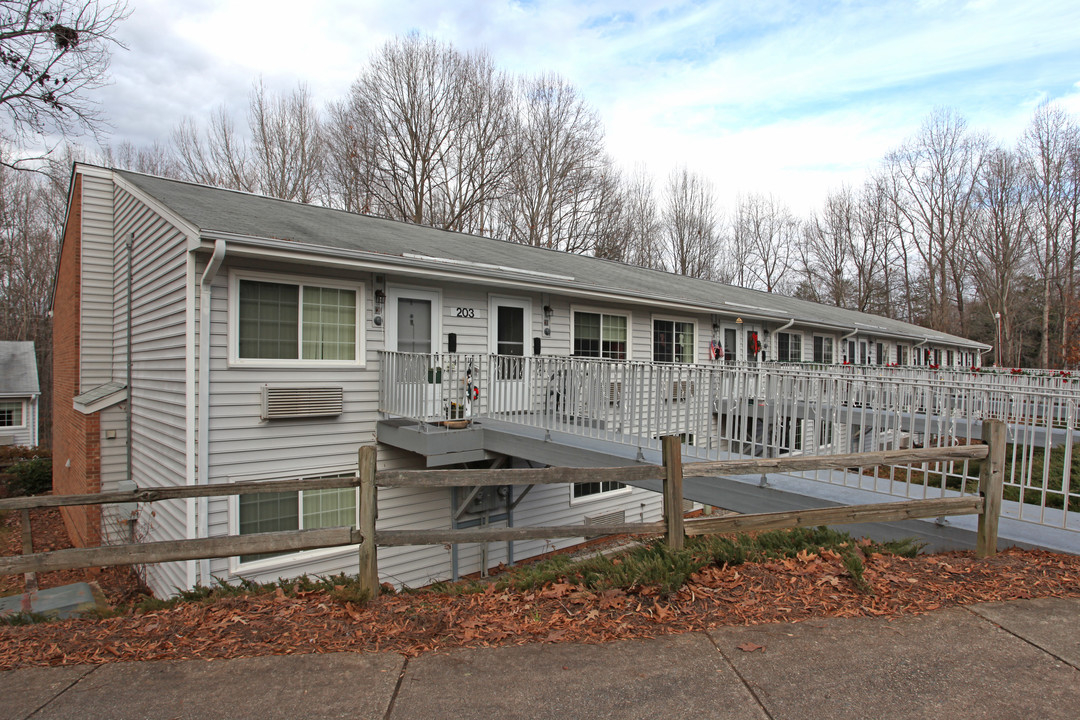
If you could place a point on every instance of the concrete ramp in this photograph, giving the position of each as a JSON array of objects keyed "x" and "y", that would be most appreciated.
[{"x": 743, "y": 494}]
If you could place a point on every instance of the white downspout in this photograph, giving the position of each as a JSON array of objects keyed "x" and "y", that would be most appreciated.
[
  {"x": 202, "y": 416},
  {"x": 917, "y": 346},
  {"x": 783, "y": 327}
]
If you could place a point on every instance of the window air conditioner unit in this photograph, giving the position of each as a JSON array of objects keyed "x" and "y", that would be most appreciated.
[{"x": 300, "y": 402}]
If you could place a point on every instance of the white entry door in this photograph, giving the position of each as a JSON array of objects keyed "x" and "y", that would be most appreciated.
[
  {"x": 510, "y": 332},
  {"x": 413, "y": 327}
]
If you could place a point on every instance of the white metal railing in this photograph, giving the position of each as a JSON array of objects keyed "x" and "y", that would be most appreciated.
[{"x": 770, "y": 410}]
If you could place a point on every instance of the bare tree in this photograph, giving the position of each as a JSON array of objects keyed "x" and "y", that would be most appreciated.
[
  {"x": 934, "y": 178},
  {"x": 435, "y": 129},
  {"x": 1000, "y": 242},
  {"x": 286, "y": 144},
  {"x": 282, "y": 155},
  {"x": 216, "y": 157},
  {"x": 53, "y": 55},
  {"x": 906, "y": 299},
  {"x": 349, "y": 172},
  {"x": 1046, "y": 145},
  {"x": 643, "y": 227},
  {"x": 1070, "y": 232},
  {"x": 562, "y": 175},
  {"x": 482, "y": 151},
  {"x": 690, "y": 224},
  {"x": 871, "y": 251},
  {"x": 411, "y": 93},
  {"x": 825, "y": 252},
  {"x": 155, "y": 159},
  {"x": 767, "y": 230},
  {"x": 28, "y": 246}
]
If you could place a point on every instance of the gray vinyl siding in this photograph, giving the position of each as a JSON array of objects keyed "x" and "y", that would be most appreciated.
[
  {"x": 159, "y": 367},
  {"x": 245, "y": 447},
  {"x": 113, "y": 469},
  {"x": 96, "y": 333}
]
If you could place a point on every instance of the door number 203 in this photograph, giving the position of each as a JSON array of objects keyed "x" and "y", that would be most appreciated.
[{"x": 464, "y": 312}]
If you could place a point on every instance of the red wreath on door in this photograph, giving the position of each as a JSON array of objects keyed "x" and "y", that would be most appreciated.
[{"x": 755, "y": 346}]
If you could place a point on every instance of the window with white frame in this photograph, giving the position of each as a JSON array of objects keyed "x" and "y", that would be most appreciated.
[
  {"x": 823, "y": 349},
  {"x": 297, "y": 510},
  {"x": 283, "y": 321},
  {"x": 11, "y": 413},
  {"x": 600, "y": 335},
  {"x": 673, "y": 341},
  {"x": 788, "y": 347}
]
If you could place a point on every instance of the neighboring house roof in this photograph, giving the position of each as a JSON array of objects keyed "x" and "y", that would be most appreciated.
[
  {"x": 18, "y": 369},
  {"x": 217, "y": 212}
]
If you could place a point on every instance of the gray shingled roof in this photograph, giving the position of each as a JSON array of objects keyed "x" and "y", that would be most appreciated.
[
  {"x": 18, "y": 369},
  {"x": 225, "y": 211}
]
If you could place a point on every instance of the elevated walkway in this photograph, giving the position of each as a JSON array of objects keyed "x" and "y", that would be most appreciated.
[{"x": 487, "y": 438}]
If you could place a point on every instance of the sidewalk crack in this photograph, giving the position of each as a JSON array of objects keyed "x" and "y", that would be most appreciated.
[
  {"x": 1032, "y": 643},
  {"x": 72, "y": 684},
  {"x": 744, "y": 681},
  {"x": 397, "y": 689}
]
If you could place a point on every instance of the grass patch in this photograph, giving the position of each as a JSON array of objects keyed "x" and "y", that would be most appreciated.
[
  {"x": 657, "y": 565},
  {"x": 22, "y": 618},
  {"x": 341, "y": 588}
]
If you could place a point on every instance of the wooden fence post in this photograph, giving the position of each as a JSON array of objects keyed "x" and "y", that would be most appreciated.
[
  {"x": 28, "y": 549},
  {"x": 991, "y": 478},
  {"x": 369, "y": 568},
  {"x": 673, "y": 497}
]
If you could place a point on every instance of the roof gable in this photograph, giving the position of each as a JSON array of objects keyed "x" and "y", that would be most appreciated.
[{"x": 18, "y": 369}]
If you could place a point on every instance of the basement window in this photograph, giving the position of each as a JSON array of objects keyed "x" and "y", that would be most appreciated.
[
  {"x": 593, "y": 489},
  {"x": 296, "y": 510}
]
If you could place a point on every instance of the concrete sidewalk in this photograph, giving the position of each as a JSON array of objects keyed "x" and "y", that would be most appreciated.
[{"x": 1009, "y": 660}]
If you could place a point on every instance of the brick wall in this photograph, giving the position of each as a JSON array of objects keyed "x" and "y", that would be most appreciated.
[{"x": 76, "y": 439}]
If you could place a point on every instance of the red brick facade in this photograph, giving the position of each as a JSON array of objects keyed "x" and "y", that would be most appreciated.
[{"x": 76, "y": 437}]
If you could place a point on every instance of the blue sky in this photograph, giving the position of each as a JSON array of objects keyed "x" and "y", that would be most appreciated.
[{"x": 790, "y": 98}]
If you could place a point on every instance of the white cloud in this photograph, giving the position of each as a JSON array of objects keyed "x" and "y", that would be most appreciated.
[{"x": 786, "y": 96}]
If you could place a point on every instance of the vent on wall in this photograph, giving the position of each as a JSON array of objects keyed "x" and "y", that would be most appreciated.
[
  {"x": 300, "y": 402},
  {"x": 613, "y": 518}
]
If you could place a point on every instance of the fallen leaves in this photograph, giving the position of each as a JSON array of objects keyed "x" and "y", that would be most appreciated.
[
  {"x": 750, "y": 647},
  {"x": 801, "y": 588}
]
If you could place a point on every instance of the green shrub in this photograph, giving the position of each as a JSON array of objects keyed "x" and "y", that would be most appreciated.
[{"x": 30, "y": 477}]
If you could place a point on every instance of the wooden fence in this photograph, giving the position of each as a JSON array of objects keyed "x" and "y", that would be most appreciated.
[{"x": 674, "y": 528}]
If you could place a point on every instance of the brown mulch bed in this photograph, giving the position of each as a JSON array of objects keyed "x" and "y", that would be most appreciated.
[{"x": 808, "y": 586}]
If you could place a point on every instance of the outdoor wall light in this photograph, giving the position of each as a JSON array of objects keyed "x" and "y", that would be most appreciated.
[{"x": 379, "y": 306}]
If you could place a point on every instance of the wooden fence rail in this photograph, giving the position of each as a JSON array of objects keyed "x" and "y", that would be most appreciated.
[{"x": 673, "y": 526}]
